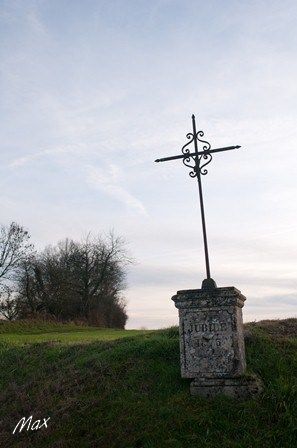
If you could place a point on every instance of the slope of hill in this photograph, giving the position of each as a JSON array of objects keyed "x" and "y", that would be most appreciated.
[
  {"x": 128, "y": 393},
  {"x": 24, "y": 332}
]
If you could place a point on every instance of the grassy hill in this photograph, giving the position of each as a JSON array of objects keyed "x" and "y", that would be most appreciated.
[
  {"x": 127, "y": 392},
  {"x": 23, "y": 332}
]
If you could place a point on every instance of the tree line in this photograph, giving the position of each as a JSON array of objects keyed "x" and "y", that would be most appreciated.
[{"x": 69, "y": 281}]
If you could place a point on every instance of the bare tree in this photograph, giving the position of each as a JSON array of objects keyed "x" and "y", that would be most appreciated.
[
  {"x": 28, "y": 294},
  {"x": 8, "y": 304},
  {"x": 14, "y": 248},
  {"x": 77, "y": 280}
]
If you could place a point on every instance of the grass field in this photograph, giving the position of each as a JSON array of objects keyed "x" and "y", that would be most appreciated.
[
  {"x": 128, "y": 392},
  {"x": 20, "y": 333}
]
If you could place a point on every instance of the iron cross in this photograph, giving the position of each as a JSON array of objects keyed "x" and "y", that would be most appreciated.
[{"x": 197, "y": 161}]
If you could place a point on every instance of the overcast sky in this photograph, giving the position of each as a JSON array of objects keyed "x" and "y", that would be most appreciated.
[{"x": 93, "y": 91}]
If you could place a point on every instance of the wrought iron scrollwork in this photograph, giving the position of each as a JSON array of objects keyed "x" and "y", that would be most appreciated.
[
  {"x": 205, "y": 147},
  {"x": 194, "y": 161},
  {"x": 208, "y": 158},
  {"x": 187, "y": 159}
]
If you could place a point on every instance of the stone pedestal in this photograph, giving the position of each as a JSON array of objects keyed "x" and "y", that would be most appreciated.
[{"x": 212, "y": 343}]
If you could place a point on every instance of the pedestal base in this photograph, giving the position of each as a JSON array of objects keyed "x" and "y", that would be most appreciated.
[
  {"x": 241, "y": 387},
  {"x": 212, "y": 343}
]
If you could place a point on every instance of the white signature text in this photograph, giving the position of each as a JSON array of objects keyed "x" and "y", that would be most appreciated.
[{"x": 36, "y": 424}]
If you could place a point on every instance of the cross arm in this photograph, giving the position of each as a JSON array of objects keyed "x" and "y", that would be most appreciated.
[{"x": 209, "y": 151}]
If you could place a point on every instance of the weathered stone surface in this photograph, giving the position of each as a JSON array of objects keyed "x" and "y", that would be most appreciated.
[
  {"x": 241, "y": 387},
  {"x": 211, "y": 340}
]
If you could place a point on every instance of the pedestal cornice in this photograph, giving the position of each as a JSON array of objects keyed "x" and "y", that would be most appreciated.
[{"x": 201, "y": 298}]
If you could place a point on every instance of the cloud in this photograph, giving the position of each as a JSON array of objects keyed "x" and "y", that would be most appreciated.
[
  {"x": 284, "y": 299},
  {"x": 108, "y": 181},
  {"x": 151, "y": 274},
  {"x": 66, "y": 149}
]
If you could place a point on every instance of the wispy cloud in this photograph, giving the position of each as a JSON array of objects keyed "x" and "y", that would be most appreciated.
[
  {"x": 28, "y": 158},
  {"x": 109, "y": 182}
]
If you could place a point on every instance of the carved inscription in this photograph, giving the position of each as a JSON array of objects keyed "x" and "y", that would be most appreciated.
[
  {"x": 212, "y": 326},
  {"x": 208, "y": 342}
]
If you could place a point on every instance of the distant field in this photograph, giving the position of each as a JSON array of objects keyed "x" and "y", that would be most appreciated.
[{"x": 24, "y": 332}]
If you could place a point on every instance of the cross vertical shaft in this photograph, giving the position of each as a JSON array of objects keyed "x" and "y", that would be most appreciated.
[{"x": 197, "y": 161}]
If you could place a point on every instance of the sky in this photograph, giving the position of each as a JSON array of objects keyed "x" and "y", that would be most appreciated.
[{"x": 93, "y": 91}]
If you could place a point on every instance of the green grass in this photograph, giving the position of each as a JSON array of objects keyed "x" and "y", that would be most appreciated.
[
  {"x": 26, "y": 332},
  {"x": 38, "y": 326},
  {"x": 128, "y": 393}
]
